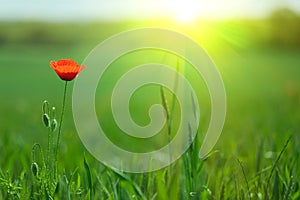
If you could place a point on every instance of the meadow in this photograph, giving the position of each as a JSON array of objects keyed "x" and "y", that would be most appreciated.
[{"x": 256, "y": 157}]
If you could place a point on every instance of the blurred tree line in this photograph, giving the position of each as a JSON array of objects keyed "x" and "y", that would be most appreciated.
[
  {"x": 284, "y": 28},
  {"x": 281, "y": 28}
]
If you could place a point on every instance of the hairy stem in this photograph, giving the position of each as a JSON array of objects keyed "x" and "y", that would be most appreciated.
[{"x": 60, "y": 124}]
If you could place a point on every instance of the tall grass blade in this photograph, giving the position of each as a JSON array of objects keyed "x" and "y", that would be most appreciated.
[
  {"x": 289, "y": 189},
  {"x": 275, "y": 191},
  {"x": 89, "y": 177},
  {"x": 277, "y": 160},
  {"x": 162, "y": 192},
  {"x": 245, "y": 177},
  {"x": 128, "y": 179}
]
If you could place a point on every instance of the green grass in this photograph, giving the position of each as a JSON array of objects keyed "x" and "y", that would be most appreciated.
[{"x": 254, "y": 158}]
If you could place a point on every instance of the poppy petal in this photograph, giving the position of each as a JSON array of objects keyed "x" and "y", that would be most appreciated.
[{"x": 66, "y": 69}]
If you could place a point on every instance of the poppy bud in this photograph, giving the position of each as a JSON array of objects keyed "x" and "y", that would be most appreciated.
[
  {"x": 35, "y": 169},
  {"x": 53, "y": 125},
  {"x": 46, "y": 120},
  {"x": 45, "y": 107}
]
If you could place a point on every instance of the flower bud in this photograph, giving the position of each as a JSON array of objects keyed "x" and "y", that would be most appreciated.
[
  {"x": 53, "y": 125},
  {"x": 46, "y": 120},
  {"x": 45, "y": 107},
  {"x": 35, "y": 169}
]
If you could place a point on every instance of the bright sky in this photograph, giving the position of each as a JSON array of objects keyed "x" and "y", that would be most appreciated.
[{"x": 66, "y": 10}]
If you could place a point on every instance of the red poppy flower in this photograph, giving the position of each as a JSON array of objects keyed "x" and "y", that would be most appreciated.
[{"x": 66, "y": 69}]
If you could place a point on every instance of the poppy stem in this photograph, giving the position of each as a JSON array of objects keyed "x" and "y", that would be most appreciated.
[
  {"x": 60, "y": 124},
  {"x": 49, "y": 149}
]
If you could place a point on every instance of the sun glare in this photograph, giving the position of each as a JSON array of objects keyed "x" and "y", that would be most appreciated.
[
  {"x": 186, "y": 16},
  {"x": 183, "y": 11}
]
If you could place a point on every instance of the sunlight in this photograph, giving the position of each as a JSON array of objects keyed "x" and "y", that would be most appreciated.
[
  {"x": 190, "y": 10},
  {"x": 183, "y": 11},
  {"x": 186, "y": 16}
]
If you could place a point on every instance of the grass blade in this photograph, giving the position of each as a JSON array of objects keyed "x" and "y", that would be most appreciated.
[
  {"x": 277, "y": 160},
  {"x": 245, "y": 177},
  {"x": 89, "y": 178}
]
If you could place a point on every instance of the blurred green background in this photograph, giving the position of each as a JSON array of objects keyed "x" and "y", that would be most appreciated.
[{"x": 257, "y": 56}]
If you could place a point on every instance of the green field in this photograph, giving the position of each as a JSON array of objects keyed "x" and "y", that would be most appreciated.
[{"x": 256, "y": 157}]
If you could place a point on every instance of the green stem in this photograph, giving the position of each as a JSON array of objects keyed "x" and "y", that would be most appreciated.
[
  {"x": 49, "y": 149},
  {"x": 60, "y": 124},
  {"x": 171, "y": 113},
  {"x": 41, "y": 153}
]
